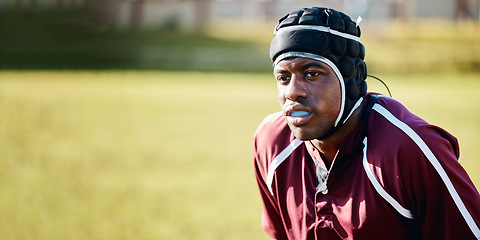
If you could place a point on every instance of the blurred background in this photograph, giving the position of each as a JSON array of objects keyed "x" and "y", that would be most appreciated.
[
  {"x": 134, "y": 119},
  {"x": 179, "y": 34}
]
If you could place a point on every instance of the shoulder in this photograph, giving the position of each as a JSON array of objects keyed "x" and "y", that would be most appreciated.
[
  {"x": 393, "y": 121},
  {"x": 272, "y": 136},
  {"x": 402, "y": 143},
  {"x": 272, "y": 129}
]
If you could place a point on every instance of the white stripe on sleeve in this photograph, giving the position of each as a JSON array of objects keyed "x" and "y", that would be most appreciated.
[
  {"x": 279, "y": 159},
  {"x": 405, "y": 212},
  {"x": 436, "y": 164}
]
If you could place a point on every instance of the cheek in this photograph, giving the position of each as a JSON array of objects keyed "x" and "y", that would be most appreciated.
[
  {"x": 336, "y": 101},
  {"x": 281, "y": 95},
  {"x": 329, "y": 97},
  {"x": 333, "y": 90}
]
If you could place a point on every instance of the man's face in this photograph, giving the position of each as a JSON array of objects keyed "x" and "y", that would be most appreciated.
[{"x": 309, "y": 94}]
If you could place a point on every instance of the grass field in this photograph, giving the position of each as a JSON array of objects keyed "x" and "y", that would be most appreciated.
[{"x": 163, "y": 155}]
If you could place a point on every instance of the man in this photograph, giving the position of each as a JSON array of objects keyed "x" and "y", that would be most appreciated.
[{"x": 340, "y": 163}]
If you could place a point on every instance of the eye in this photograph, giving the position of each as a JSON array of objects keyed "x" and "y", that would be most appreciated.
[
  {"x": 283, "y": 78},
  {"x": 311, "y": 74}
]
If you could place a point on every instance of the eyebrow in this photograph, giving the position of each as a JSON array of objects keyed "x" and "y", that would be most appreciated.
[
  {"x": 278, "y": 69},
  {"x": 315, "y": 64}
]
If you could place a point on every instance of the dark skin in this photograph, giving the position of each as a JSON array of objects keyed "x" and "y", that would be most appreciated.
[{"x": 309, "y": 93}]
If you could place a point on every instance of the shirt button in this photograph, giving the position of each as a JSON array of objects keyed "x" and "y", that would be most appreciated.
[{"x": 325, "y": 191}]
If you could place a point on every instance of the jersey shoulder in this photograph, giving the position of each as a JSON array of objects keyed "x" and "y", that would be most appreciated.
[
  {"x": 272, "y": 136},
  {"x": 273, "y": 130},
  {"x": 394, "y": 115},
  {"x": 397, "y": 131}
]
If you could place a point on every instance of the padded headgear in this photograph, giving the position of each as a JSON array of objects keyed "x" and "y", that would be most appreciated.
[{"x": 329, "y": 36}]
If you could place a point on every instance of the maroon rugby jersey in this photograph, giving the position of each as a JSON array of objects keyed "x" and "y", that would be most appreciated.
[{"x": 398, "y": 179}]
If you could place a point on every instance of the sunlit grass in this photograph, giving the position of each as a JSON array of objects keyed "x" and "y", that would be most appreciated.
[
  {"x": 129, "y": 155},
  {"x": 162, "y": 155}
]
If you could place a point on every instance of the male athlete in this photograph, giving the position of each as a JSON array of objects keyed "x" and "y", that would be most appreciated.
[{"x": 340, "y": 163}]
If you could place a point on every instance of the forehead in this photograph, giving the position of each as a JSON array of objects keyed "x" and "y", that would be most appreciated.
[{"x": 300, "y": 63}]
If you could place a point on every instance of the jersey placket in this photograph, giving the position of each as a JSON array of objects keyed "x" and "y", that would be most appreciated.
[{"x": 326, "y": 223}]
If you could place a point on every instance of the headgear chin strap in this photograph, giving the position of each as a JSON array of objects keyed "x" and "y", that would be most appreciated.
[{"x": 333, "y": 38}]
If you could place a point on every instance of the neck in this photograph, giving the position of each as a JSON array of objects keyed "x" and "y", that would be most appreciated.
[{"x": 329, "y": 147}]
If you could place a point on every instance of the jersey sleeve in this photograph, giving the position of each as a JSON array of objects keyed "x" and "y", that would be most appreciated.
[
  {"x": 270, "y": 217},
  {"x": 442, "y": 197},
  {"x": 418, "y": 164},
  {"x": 264, "y": 150}
]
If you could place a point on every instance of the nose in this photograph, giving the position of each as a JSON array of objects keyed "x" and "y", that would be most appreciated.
[{"x": 296, "y": 89}]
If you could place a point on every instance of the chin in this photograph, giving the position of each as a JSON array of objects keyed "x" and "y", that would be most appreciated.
[
  {"x": 304, "y": 139},
  {"x": 303, "y": 136}
]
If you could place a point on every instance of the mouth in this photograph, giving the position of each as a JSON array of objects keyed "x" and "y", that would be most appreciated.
[
  {"x": 299, "y": 113},
  {"x": 298, "y": 118}
]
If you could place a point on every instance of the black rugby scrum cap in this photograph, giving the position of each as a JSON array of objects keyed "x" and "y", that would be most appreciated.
[{"x": 329, "y": 36}]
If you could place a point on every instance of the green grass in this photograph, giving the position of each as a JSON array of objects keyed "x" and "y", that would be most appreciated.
[{"x": 162, "y": 155}]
